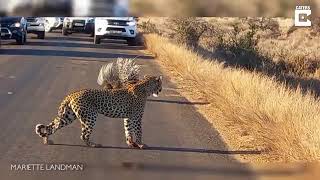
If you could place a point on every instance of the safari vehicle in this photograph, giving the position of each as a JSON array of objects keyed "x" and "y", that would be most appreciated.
[
  {"x": 89, "y": 28},
  {"x": 35, "y": 25},
  {"x": 53, "y": 23},
  {"x": 14, "y": 28},
  {"x": 77, "y": 24},
  {"x": 116, "y": 28}
]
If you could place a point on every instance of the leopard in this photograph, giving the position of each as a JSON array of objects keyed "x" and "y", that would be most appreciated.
[{"x": 126, "y": 103}]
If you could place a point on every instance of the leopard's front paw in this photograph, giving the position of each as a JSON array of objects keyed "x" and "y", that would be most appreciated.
[
  {"x": 142, "y": 146},
  {"x": 136, "y": 145},
  {"x": 94, "y": 145},
  {"x": 47, "y": 141},
  {"x": 131, "y": 143}
]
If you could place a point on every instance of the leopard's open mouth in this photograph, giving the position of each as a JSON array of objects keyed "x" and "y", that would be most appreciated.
[{"x": 157, "y": 93}]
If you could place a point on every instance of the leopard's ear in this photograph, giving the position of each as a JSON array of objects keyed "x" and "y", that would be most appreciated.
[{"x": 160, "y": 77}]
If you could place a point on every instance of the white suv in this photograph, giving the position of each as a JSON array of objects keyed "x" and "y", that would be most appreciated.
[
  {"x": 53, "y": 23},
  {"x": 115, "y": 28},
  {"x": 36, "y": 26},
  {"x": 78, "y": 24}
]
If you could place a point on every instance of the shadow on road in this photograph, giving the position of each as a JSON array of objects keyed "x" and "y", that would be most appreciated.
[
  {"x": 70, "y": 38},
  {"x": 81, "y": 45},
  {"x": 83, "y": 39},
  {"x": 175, "y": 149},
  {"x": 225, "y": 170},
  {"x": 177, "y": 102},
  {"x": 38, "y": 52}
]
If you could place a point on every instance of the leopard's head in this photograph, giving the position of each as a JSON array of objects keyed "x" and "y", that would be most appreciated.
[
  {"x": 149, "y": 85},
  {"x": 154, "y": 85}
]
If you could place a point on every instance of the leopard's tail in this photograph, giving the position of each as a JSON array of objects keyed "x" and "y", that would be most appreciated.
[
  {"x": 45, "y": 131},
  {"x": 39, "y": 130}
]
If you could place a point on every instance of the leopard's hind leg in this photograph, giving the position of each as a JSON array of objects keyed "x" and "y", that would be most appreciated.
[
  {"x": 64, "y": 118},
  {"x": 87, "y": 124}
]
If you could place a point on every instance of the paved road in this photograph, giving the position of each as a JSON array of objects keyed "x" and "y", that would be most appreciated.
[{"x": 35, "y": 77}]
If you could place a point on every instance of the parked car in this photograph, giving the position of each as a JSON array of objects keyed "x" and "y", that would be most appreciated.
[
  {"x": 14, "y": 28},
  {"x": 53, "y": 23},
  {"x": 77, "y": 24},
  {"x": 116, "y": 28},
  {"x": 89, "y": 27},
  {"x": 0, "y": 35},
  {"x": 35, "y": 25}
]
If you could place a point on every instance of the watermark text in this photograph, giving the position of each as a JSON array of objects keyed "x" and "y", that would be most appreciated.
[{"x": 47, "y": 167}]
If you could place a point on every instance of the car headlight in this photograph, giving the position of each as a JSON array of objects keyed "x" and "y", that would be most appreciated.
[
  {"x": 131, "y": 23},
  {"x": 16, "y": 25},
  {"x": 40, "y": 20},
  {"x": 41, "y": 24}
]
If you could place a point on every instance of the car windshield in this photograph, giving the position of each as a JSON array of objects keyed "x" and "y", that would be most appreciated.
[
  {"x": 9, "y": 19},
  {"x": 31, "y": 19}
]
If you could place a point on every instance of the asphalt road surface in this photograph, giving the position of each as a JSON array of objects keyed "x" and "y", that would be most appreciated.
[{"x": 35, "y": 77}]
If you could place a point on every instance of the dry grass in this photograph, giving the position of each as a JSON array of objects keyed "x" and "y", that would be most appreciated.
[
  {"x": 294, "y": 54},
  {"x": 291, "y": 51},
  {"x": 249, "y": 109},
  {"x": 299, "y": 50},
  {"x": 271, "y": 46},
  {"x": 239, "y": 8}
]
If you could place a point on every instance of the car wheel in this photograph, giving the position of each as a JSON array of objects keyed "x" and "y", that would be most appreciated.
[
  {"x": 97, "y": 39},
  {"x": 21, "y": 40},
  {"x": 132, "y": 41},
  {"x": 92, "y": 34},
  {"x": 64, "y": 31},
  {"x": 25, "y": 38},
  {"x": 48, "y": 29},
  {"x": 41, "y": 35}
]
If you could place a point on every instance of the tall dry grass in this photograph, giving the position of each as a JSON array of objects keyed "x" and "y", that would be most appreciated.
[
  {"x": 299, "y": 51},
  {"x": 256, "y": 110},
  {"x": 269, "y": 45},
  {"x": 230, "y": 8}
]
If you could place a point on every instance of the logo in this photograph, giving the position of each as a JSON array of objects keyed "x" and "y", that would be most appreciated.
[{"x": 302, "y": 16}]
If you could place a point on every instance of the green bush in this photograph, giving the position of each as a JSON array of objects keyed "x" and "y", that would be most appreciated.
[
  {"x": 242, "y": 45},
  {"x": 266, "y": 25},
  {"x": 188, "y": 30},
  {"x": 315, "y": 26},
  {"x": 148, "y": 27}
]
